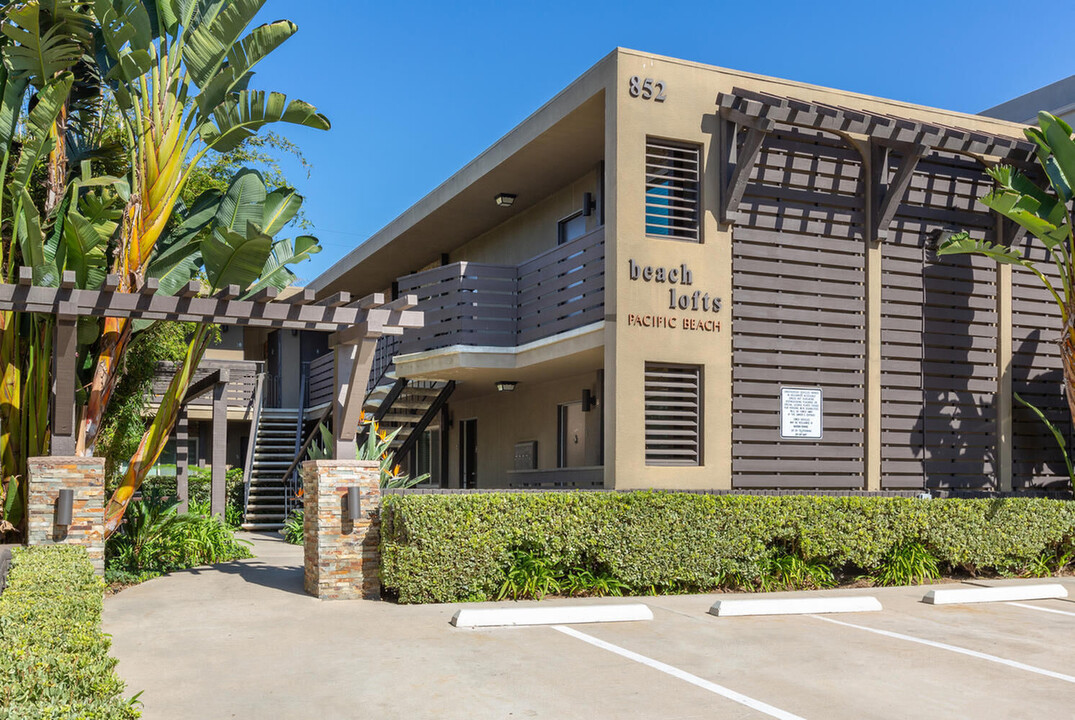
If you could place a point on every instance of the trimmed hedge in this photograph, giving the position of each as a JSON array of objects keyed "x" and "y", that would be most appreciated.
[
  {"x": 54, "y": 660},
  {"x": 447, "y": 548}
]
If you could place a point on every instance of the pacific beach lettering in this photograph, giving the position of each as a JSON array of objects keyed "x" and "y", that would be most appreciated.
[{"x": 678, "y": 277}]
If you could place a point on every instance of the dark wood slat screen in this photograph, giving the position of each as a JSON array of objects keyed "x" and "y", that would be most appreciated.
[
  {"x": 673, "y": 178},
  {"x": 939, "y": 336},
  {"x": 798, "y": 273},
  {"x": 1037, "y": 375},
  {"x": 673, "y": 401}
]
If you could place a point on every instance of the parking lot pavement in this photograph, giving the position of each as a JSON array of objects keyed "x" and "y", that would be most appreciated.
[{"x": 242, "y": 641}]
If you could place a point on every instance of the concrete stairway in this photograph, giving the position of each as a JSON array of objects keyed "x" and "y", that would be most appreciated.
[{"x": 274, "y": 449}]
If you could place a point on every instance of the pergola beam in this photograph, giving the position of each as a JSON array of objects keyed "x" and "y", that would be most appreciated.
[{"x": 740, "y": 105}]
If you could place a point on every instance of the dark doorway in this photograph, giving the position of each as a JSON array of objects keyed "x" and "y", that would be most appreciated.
[{"x": 468, "y": 453}]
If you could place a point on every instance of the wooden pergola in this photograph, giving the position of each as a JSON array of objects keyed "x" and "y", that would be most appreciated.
[
  {"x": 751, "y": 115},
  {"x": 355, "y": 324}
]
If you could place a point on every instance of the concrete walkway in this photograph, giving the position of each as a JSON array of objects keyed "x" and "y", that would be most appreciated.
[{"x": 242, "y": 640}]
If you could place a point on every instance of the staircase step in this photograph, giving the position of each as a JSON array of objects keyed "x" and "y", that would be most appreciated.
[{"x": 262, "y": 526}]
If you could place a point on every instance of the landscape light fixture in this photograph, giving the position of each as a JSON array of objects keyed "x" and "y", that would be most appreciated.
[
  {"x": 352, "y": 509},
  {"x": 506, "y": 385},
  {"x": 505, "y": 199},
  {"x": 65, "y": 505}
]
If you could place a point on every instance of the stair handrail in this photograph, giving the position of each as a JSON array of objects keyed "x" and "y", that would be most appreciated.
[
  {"x": 300, "y": 421},
  {"x": 252, "y": 443},
  {"x": 299, "y": 454}
]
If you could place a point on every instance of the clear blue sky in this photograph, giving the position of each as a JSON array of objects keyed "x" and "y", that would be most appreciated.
[{"x": 417, "y": 89}]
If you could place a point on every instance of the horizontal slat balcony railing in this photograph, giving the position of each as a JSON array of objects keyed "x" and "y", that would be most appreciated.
[
  {"x": 242, "y": 382},
  {"x": 321, "y": 380},
  {"x": 479, "y": 304},
  {"x": 562, "y": 289}
]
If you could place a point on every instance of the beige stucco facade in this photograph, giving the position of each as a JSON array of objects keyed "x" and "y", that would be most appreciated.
[{"x": 550, "y": 161}]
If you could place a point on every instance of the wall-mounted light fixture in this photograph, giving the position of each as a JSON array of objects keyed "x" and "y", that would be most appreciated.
[
  {"x": 352, "y": 504},
  {"x": 588, "y": 204},
  {"x": 506, "y": 385},
  {"x": 65, "y": 505},
  {"x": 505, "y": 199},
  {"x": 589, "y": 400}
]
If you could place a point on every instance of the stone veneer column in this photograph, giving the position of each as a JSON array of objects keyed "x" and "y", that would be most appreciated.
[
  {"x": 84, "y": 475},
  {"x": 342, "y": 557}
]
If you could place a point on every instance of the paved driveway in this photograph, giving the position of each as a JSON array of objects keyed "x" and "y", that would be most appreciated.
[{"x": 242, "y": 640}]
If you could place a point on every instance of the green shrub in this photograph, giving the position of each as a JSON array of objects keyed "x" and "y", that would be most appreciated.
[
  {"x": 446, "y": 548},
  {"x": 293, "y": 528},
  {"x": 54, "y": 660},
  {"x": 909, "y": 564},
  {"x": 155, "y": 539},
  {"x": 199, "y": 490}
]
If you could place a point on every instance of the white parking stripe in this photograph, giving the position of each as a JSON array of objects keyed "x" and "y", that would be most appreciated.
[
  {"x": 953, "y": 648},
  {"x": 1043, "y": 609},
  {"x": 681, "y": 674}
]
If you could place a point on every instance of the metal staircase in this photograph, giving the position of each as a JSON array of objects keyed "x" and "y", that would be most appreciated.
[
  {"x": 274, "y": 448},
  {"x": 407, "y": 405}
]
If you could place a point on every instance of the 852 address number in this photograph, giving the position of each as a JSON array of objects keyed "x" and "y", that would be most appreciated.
[{"x": 647, "y": 89}]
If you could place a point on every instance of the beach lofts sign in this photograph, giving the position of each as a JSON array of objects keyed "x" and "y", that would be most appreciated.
[{"x": 688, "y": 309}]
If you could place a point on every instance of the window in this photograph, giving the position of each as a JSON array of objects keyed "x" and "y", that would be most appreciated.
[
  {"x": 673, "y": 400},
  {"x": 673, "y": 177},
  {"x": 571, "y": 227}
]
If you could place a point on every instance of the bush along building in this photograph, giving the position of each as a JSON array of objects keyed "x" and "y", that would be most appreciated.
[{"x": 679, "y": 276}]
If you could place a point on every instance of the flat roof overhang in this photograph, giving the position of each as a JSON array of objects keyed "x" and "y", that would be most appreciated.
[
  {"x": 476, "y": 368},
  {"x": 558, "y": 144}
]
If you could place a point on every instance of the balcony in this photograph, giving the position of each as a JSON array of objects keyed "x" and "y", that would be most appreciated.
[
  {"x": 240, "y": 390},
  {"x": 491, "y": 307}
]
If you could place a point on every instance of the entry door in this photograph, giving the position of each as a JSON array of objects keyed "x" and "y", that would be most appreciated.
[
  {"x": 572, "y": 435},
  {"x": 468, "y": 453}
]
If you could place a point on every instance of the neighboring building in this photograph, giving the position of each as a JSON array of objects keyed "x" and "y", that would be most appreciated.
[
  {"x": 680, "y": 276},
  {"x": 1057, "y": 98}
]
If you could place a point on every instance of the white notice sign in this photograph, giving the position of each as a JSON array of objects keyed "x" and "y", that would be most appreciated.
[{"x": 800, "y": 413}]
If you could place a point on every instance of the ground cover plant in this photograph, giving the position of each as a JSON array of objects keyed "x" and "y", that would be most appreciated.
[
  {"x": 447, "y": 548},
  {"x": 156, "y": 539},
  {"x": 54, "y": 660}
]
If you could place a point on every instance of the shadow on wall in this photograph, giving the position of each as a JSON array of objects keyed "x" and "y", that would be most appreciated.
[
  {"x": 1037, "y": 460},
  {"x": 957, "y": 424}
]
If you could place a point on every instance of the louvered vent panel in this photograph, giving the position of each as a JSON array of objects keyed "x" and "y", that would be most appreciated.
[
  {"x": 673, "y": 172},
  {"x": 673, "y": 414}
]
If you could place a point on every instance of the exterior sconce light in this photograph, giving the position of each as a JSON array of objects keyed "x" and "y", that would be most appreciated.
[
  {"x": 65, "y": 505},
  {"x": 588, "y": 204},
  {"x": 589, "y": 400},
  {"x": 505, "y": 199},
  {"x": 352, "y": 504},
  {"x": 506, "y": 385}
]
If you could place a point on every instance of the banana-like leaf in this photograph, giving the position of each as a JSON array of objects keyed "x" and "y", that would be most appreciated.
[
  {"x": 178, "y": 257},
  {"x": 281, "y": 205},
  {"x": 209, "y": 42},
  {"x": 1025, "y": 211},
  {"x": 234, "y": 259},
  {"x": 38, "y": 142},
  {"x": 243, "y": 114},
  {"x": 244, "y": 201},
  {"x": 240, "y": 60},
  {"x": 10, "y": 105},
  {"x": 28, "y": 231},
  {"x": 85, "y": 251},
  {"x": 88, "y": 329},
  {"x": 1011, "y": 179},
  {"x": 961, "y": 244},
  {"x": 125, "y": 26},
  {"x": 37, "y": 54},
  {"x": 1061, "y": 165},
  {"x": 190, "y": 13},
  {"x": 103, "y": 211},
  {"x": 284, "y": 253}
]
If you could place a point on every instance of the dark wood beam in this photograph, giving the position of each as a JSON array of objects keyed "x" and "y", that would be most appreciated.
[
  {"x": 739, "y": 162},
  {"x": 198, "y": 388},
  {"x": 65, "y": 345},
  {"x": 889, "y": 192},
  {"x": 219, "y": 441}
]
